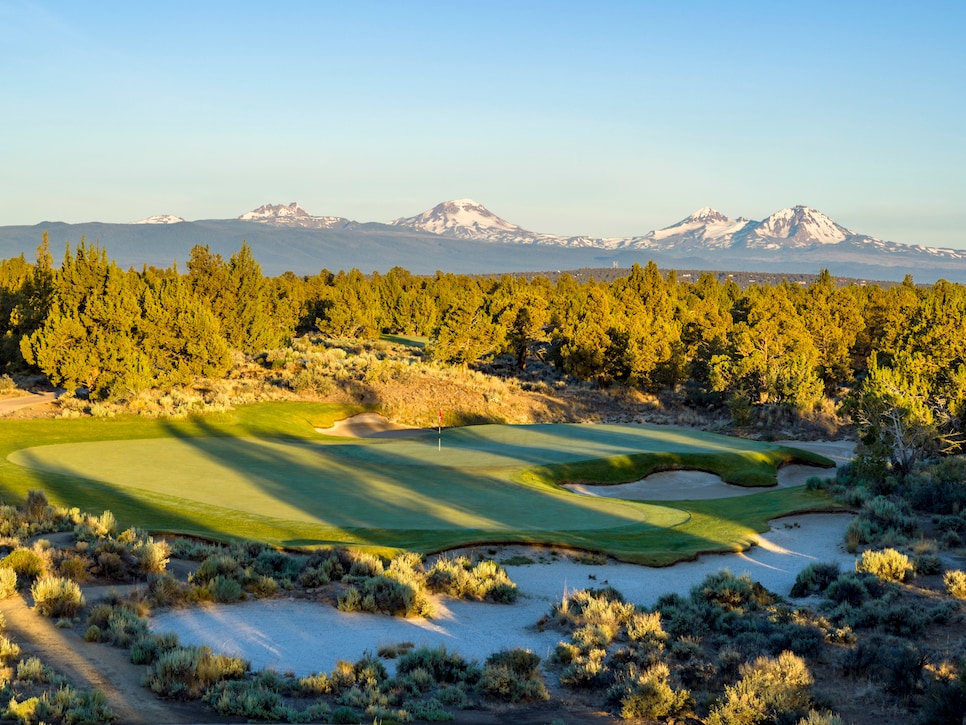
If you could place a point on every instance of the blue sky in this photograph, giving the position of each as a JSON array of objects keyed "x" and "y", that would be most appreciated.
[{"x": 604, "y": 118}]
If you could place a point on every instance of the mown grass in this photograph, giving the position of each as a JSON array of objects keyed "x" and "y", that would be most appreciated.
[{"x": 262, "y": 472}]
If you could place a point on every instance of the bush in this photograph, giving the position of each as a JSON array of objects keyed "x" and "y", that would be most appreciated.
[
  {"x": 185, "y": 673},
  {"x": 512, "y": 676},
  {"x": 586, "y": 670},
  {"x": 33, "y": 670},
  {"x": 8, "y": 583},
  {"x": 459, "y": 578},
  {"x": 225, "y": 590},
  {"x": 648, "y": 695},
  {"x": 887, "y": 565},
  {"x": 57, "y": 597},
  {"x": 814, "y": 579},
  {"x": 9, "y": 650},
  {"x": 248, "y": 700},
  {"x": 770, "y": 690},
  {"x": 729, "y": 592},
  {"x": 445, "y": 667},
  {"x": 26, "y": 563},
  {"x": 955, "y": 581}
]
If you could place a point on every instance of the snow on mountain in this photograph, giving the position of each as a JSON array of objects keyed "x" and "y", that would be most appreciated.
[
  {"x": 707, "y": 228},
  {"x": 160, "y": 219},
  {"x": 465, "y": 219},
  {"x": 468, "y": 219},
  {"x": 291, "y": 215},
  {"x": 798, "y": 226}
]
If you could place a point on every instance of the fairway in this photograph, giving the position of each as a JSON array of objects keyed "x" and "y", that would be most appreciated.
[{"x": 482, "y": 483}]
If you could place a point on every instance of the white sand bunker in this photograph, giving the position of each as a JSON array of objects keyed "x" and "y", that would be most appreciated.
[
  {"x": 303, "y": 637},
  {"x": 684, "y": 485},
  {"x": 369, "y": 425}
]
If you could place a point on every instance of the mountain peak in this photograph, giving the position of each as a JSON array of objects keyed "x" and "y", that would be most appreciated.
[
  {"x": 160, "y": 219},
  {"x": 275, "y": 211},
  {"x": 463, "y": 219},
  {"x": 290, "y": 215},
  {"x": 707, "y": 214},
  {"x": 802, "y": 225}
]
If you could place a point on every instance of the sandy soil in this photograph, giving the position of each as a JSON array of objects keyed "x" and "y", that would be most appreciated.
[
  {"x": 9, "y": 405},
  {"x": 369, "y": 425},
  {"x": 303, "y": 636}
]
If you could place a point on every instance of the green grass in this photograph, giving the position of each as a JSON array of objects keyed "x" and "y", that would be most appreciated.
[{"x": 262, "y": 472}]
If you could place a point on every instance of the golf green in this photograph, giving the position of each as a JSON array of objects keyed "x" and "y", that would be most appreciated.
[
  {"x": 390, "y": 485},
  {"x": 263, "y": 472}
]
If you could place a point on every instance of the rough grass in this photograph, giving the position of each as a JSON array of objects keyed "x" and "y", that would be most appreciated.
[{"x": 292, "y": 487}]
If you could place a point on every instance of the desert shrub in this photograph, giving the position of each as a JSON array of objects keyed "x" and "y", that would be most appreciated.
[
  {"x": 770, "y": 690},
  {"x": 887, "y": 565},
  {"x": 217, "y": 565},
  {"x": 512, "y": 676},
  {"x": 185, "y": 673},
  {"x": 955, "y": 581},
  {"x": 346, "y": 716},
  {"x": 814, "y": 579},
  {"x": 815, "y": 717},
  {"x": 648, "y": 695},
  {"x": 682, "y": 616},
  {"x": 849, "y": 588},
  {"x": 248, "y": 700},
  {"x": 225, "y": 589},
  {"x": 460, "y": 578},
  {"x": 69, "y": 705},
  {"x": 23, "y": 711},
  {"x": 151, "y": 556},
  {"x": 277, "y": 564},
  {"x": 365, "y": 565},
  {"x": 729, "y": 592},
  {"x": 445, "y": 667},
  {"x": 943, "y": 703},
  {"x": 595, "y": 615},
  {"x": 431, "y": 710},
  {"x": 26, "y": 563},
  {"x": 8, "y": 582},
  {"x": 586, "y": 669},
  {"x": 74, "y": 566},
  {"x": 57, "y": 597},
  {"x": 91, "y": 527},
  {"x": 927, "y": 563},
  {"x": 33, "y": 670},
  {"x": 453, "y": 696},
  {"x": 646, "y": 627},
  {"x": 9, "y": 650},
  {"x": 148, "y": 647},
  {"x": 902, "y": 666}
]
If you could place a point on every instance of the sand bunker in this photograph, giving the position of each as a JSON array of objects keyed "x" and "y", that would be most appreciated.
[
  {"x": 303, "y": 636},
  {"x": 369, "y": 425},
  {"x": 696, "y": 485}
]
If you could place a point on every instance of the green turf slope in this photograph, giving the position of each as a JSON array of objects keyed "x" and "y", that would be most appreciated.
[{"x": 262, "y": 472}]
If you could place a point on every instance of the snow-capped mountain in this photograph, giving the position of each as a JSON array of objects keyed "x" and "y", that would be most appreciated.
[
  {"x": 798, "y": 226},
  {"x": 468, "y": 219},
  {"x": 707, "y": 228},
  {"x": 160, "y": 219},
  {"x": 291, "y": 215},
  {"x": 797, "y": 230}
]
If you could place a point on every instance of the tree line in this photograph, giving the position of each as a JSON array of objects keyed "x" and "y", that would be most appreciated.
[{"x": 91, "y": 324}]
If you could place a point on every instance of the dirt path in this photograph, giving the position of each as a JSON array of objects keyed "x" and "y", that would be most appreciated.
[
  {"x": 9, "y": 405},
  {"x": 92, "y": 666}
]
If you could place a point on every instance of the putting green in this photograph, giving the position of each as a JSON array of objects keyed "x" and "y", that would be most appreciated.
[
  {"x": 263, "y": 472},
  {"x": 393, "y": 485}
]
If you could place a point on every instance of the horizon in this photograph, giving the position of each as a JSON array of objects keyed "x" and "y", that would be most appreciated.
[{"x": 605, "y": 122}]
